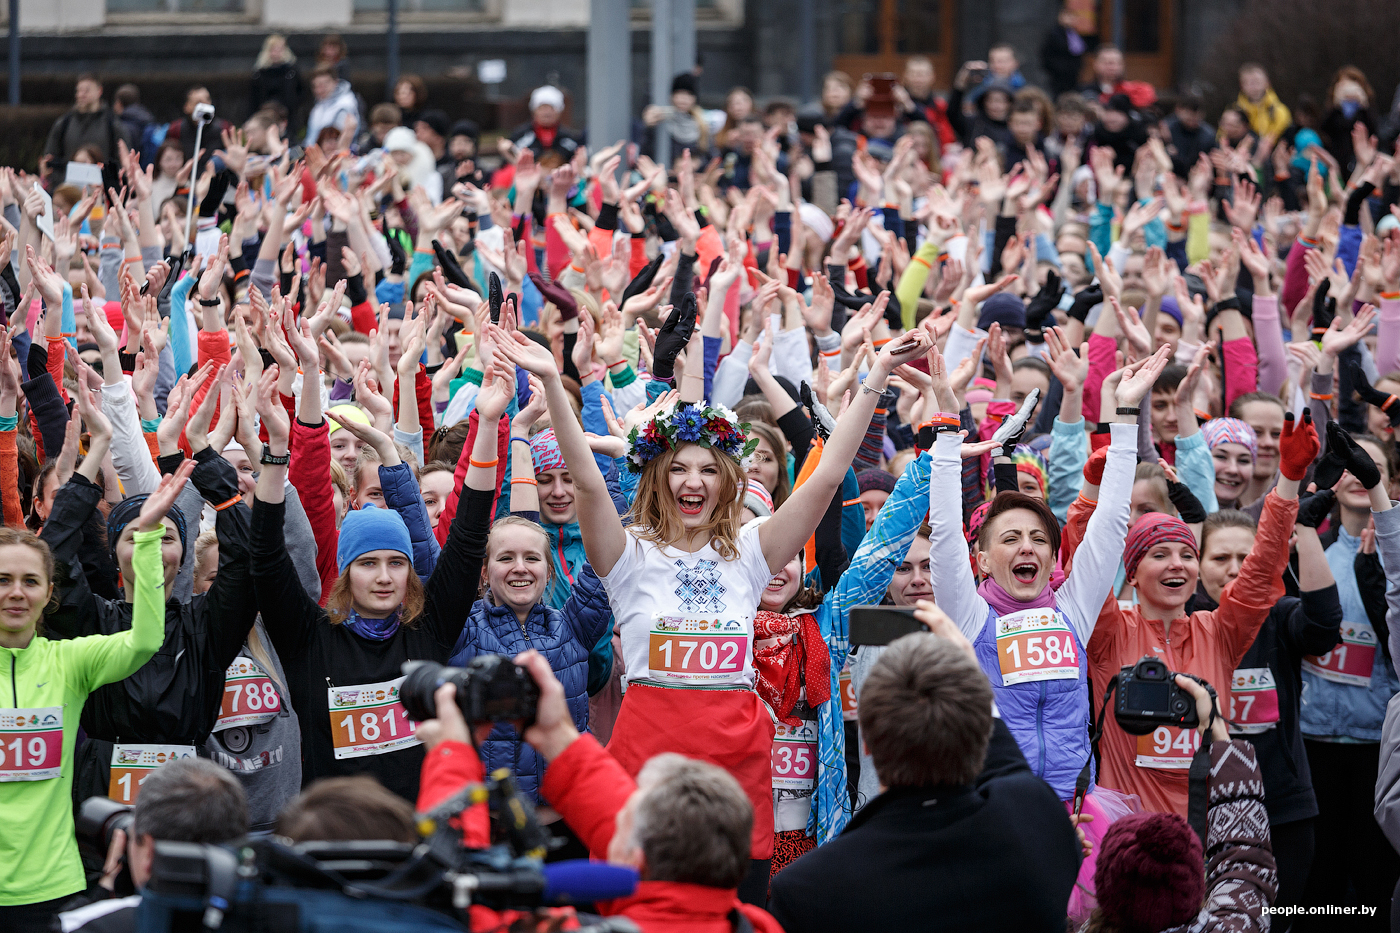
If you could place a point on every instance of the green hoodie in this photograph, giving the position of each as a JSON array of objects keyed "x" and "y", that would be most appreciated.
[{"x": 38, "y": 851}]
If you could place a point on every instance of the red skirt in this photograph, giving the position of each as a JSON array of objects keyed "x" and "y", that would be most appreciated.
[{"x": 728, "y": 728}]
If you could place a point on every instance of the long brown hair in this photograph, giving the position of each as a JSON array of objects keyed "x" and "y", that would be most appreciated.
[
  {"x": 657, "y": 519},
  {"x": 338, "y": 604}
]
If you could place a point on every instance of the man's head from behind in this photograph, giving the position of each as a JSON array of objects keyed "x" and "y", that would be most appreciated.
[
  {"x": 188, "y": 800},
  {"x": 926, "y": 714},
  {"x": 688, "y": 821},
  {"x": 346, "y": 808}
]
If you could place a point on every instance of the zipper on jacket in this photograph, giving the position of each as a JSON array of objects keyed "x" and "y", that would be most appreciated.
[
  {"x": 1040, "y": 730},
  {"x": 14, "y": 684}
]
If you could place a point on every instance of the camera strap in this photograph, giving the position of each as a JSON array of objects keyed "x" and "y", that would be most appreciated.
[
  {"x": 1081, "y": 785},
  {"x": 1198, "y": 785}
]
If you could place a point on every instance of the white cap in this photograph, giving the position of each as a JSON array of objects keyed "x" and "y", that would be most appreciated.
[
  {"x": 399, "y": 139},
  {"x": 548, "y": 94}
]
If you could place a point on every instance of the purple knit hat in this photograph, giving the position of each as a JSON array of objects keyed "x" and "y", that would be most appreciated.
[{"x": 1219, "y": 431}]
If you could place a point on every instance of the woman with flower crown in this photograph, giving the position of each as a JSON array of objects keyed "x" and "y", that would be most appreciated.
[{"x": 684, "y": 579}]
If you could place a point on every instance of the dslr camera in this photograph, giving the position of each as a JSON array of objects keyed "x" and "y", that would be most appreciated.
[
  {"x": 1148, "y": 697},
  {"x": 491, "y": 688}
]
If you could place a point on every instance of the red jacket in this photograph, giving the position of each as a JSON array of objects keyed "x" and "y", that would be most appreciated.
[{"x": 588, "y": 787}]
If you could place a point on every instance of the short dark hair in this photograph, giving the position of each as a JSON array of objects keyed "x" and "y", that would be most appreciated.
[
  {"x": 346, "y": 808},
  {"x": 1170, "y": 378},
  {"x": 693, "y": 823},
  {"x": 88, "y": 76},
  {"x": 190, "y": 91},
  {"x": 1191, "y": 102},
  {"x": 926, "y": 713},
  {"x": 1070, "y": 102},
  {"x": 1009, "y": 501},
  {"x": 325, "y": 71},
  {"x": 127, "y": 95},
  {"x": 191, "y": 800},
  {"x": 1032, "y": 362}
]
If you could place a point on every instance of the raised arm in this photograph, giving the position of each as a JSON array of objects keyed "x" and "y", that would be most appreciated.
[
  {"x": 603, "y": 535},
  {"x": 804, "y": 508}
]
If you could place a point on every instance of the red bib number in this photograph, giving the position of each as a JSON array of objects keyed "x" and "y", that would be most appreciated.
[
  {"x": 1351, "y": 661},
  {"x": 1035, "y": 644},
  {"x": 697, "y": 651},
  {"x": 250, "y": 697},
  {"x": 848, "y": 696},
  {"x": 368, "y": 719},
  {"x": 795, "y": 757},
  {"x": 132, "y": 764},
  {"x": 1168, "y": 747},
  {"x": 31, "y": 743},
  {"x": 1253, "y": 701}
]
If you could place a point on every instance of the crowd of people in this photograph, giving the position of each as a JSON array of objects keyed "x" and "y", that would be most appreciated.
[{"x": 1073, "y": 381}]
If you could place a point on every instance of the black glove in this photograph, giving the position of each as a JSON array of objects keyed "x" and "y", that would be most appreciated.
[
  {"x": 675, "y": 334},
  {"x": 1313, "y": 507},
  {"x": 1358, "y": 462},
  {"x": 494, "y": 297},
  {"x": 1385, "y": 402},
  {"x": 643, "y": 279},
  {"x": 1324, "y": 309},
  {"x": 1045, "y": 301},
  {"x": 1084, "y": 302},
  {"x": 1187, "y": 505},
  {"x": 821, "y": 416},
  {"x": 398, "y": 259},
  {"x": 451, "y": 269}
]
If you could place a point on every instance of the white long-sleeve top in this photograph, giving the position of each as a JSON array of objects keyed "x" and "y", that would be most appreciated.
[
  {"x": 1095, "y": 562},
  {"x": 130, "y": 454}
]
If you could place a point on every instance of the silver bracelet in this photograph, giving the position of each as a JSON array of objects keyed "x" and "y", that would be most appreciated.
[{"x": 865, "y": 387}]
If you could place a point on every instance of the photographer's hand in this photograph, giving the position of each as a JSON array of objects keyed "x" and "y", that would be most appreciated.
[
  {"x": 1219, "y": 731},
  {"x": 553, "y": 730}
]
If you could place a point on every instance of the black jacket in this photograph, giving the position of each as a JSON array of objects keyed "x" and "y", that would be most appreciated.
[
  {"x": 1124, "y": 143},
  {"x": 999, "y": 855},
  {"x": 281, "y": 83},
  {"x": 319, "y": 656},
  {"x": 1186, "y": 145},
  {"x": 174, "y": 699},
  {"x": 1297, "y": 627},
  {"x": 1061, "y": 65}
]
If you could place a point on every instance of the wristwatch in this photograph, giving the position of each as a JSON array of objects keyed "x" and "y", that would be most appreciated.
[{"x": 268, "y": 458}]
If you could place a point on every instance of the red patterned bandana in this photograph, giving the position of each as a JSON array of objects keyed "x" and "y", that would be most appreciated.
[{"x": 782, "y": 667}]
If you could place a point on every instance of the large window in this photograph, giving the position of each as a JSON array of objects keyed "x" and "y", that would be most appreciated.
[
  {"x": 176, "y": 6},
  {"x": 424, "y": 6},
  {"x": 879, "y": 35}
]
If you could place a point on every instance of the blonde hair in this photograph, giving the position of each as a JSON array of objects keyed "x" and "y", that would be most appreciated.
[
  {"x": 656, "y": 518},
  {"x": 202, "y": 544}
]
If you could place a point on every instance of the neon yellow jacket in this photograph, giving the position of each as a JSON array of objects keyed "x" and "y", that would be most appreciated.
[
  {"x": 1268, "y": 116},
  {"x": 38, "y": 852}
]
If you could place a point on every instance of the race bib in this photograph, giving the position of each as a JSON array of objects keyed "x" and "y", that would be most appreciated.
[
  {"x": 368, "y": 719},
  {"x": 684, "y": 650},
  {"x": 250, "y": 697},
  {"x": 848, "y": 696},
  {"x": 1168, "y": 747},
  {"x": 1035, "y": 644},
  {"x": 1351, "y": 661},
  {"x": 1253, "y": 701},
  {"x": 31, "y": 743},
  {"x": 132, "y": 764},
  {"x": 795, "y": 756}
]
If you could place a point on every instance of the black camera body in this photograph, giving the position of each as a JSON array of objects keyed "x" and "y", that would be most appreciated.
[
  {"x": 1148, "y": 697},
  {"x": 490, "y": 688}
]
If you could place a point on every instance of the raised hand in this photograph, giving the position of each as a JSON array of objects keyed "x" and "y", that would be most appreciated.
[
  {"x": 1299, "y": 446},
  {"x": 159, "y": 503},
  {"x": 1138, "y": 378}
]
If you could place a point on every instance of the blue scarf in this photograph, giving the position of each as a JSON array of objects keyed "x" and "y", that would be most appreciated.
[{"x": 372, "y": 629}]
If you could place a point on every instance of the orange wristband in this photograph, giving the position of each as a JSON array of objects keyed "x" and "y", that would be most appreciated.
[
  {"x": 485, "y": 466},
  {"x": 530, "y": 481}
]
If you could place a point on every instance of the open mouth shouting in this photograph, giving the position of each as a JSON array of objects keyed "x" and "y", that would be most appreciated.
[
  {"x": 691, "y": 505},
  {"x": 1025, "y": 571},
  {"x": 1174, "y": 582}
]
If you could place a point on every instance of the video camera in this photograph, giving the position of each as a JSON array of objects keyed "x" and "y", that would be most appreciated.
[{"x": 268, "y": 885}]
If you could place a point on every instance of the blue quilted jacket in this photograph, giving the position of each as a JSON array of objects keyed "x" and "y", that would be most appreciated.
[{"x": 564, "y": 636}]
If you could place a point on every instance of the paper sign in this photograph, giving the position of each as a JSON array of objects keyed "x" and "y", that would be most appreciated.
[{"x": 83, "y": 174}]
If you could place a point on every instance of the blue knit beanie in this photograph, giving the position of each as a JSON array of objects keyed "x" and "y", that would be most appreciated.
[
  {"x": 372, "y": 529},
  {"x": 1004, "y": 309}
]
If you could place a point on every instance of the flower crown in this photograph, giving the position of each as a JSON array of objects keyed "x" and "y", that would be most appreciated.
[{"x": 713, "y": 426}]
